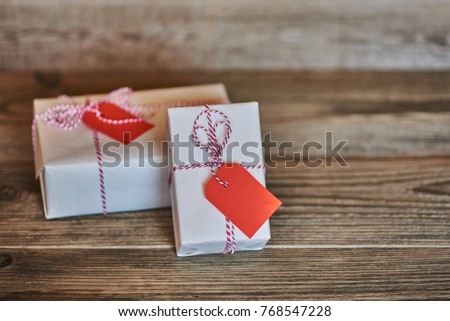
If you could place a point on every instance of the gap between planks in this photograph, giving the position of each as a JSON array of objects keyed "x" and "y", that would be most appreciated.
[{"x": 168, "y": 247}]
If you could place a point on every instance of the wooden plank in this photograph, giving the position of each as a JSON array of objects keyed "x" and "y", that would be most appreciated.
[
  {"x": 224, "y": 34},
  {"x": 303, "y": 93},
  {"x": 389, "y": 202},
  {"x": 373, "y": 136},
  {"x": 281, "y": 274},
  {"x": 373, "y": 111}
]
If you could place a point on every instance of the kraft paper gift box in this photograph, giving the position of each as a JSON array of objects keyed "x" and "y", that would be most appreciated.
[
  {"x": 67, "y": 165},
  {"x": 199, "y": 226}
]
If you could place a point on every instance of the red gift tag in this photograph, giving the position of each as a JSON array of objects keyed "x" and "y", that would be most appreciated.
[
  {"x": 246, "y": 202},
  {"x": 124, "y": 133}
]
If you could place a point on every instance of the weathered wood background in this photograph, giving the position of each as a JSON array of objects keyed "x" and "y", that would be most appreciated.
[
  {"x": 378, "y": 229},
  {"x": 224, "y": 34}
]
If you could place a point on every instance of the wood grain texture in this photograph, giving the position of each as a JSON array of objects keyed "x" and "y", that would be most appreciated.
[
  {"x": 376, "y": 229},
  {"x": 273, "y": 274},
  {"x": 397, "y": 202},
  {"x": 224, "y": 34}
]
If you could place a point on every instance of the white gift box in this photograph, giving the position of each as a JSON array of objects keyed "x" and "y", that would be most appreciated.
[
  {"x": 200, "y": 228},
  {"x": 66, "y": 163}
]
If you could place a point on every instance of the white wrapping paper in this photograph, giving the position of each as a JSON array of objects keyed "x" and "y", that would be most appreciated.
[
  {"x": 199, "y": 227},
  {"x": 66, "y": 163}
]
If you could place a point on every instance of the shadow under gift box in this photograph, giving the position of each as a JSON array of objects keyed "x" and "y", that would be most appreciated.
[
  {"x": 200, "y": 228},
  {"x": 66, "y": 162}
]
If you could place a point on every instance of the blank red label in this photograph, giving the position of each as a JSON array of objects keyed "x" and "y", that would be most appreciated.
[
  {"x": 246, "y": 202},
  {"x": 124, "y": 133}
]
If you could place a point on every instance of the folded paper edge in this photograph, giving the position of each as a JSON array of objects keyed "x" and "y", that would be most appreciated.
[
  {"x": 37, "y": 153},
  {"x": 41, "y": 177},
  {"x": 193, "y": 249},
  {"x": 220, "y": 86}
]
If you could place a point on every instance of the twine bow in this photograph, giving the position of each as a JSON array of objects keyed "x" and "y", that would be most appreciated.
[
  {"x": 69, "y": 116},
  {"x": 213, "y": 146}
]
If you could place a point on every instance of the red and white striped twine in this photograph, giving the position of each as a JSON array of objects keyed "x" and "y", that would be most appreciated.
[
  {"x": 69, "y": 116},
  {"x": 214, "y": 148},
  {"x": 101, "y": 174}
]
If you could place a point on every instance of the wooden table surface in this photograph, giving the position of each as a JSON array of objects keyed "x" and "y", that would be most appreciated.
[{"x": 377, "y": 229}]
